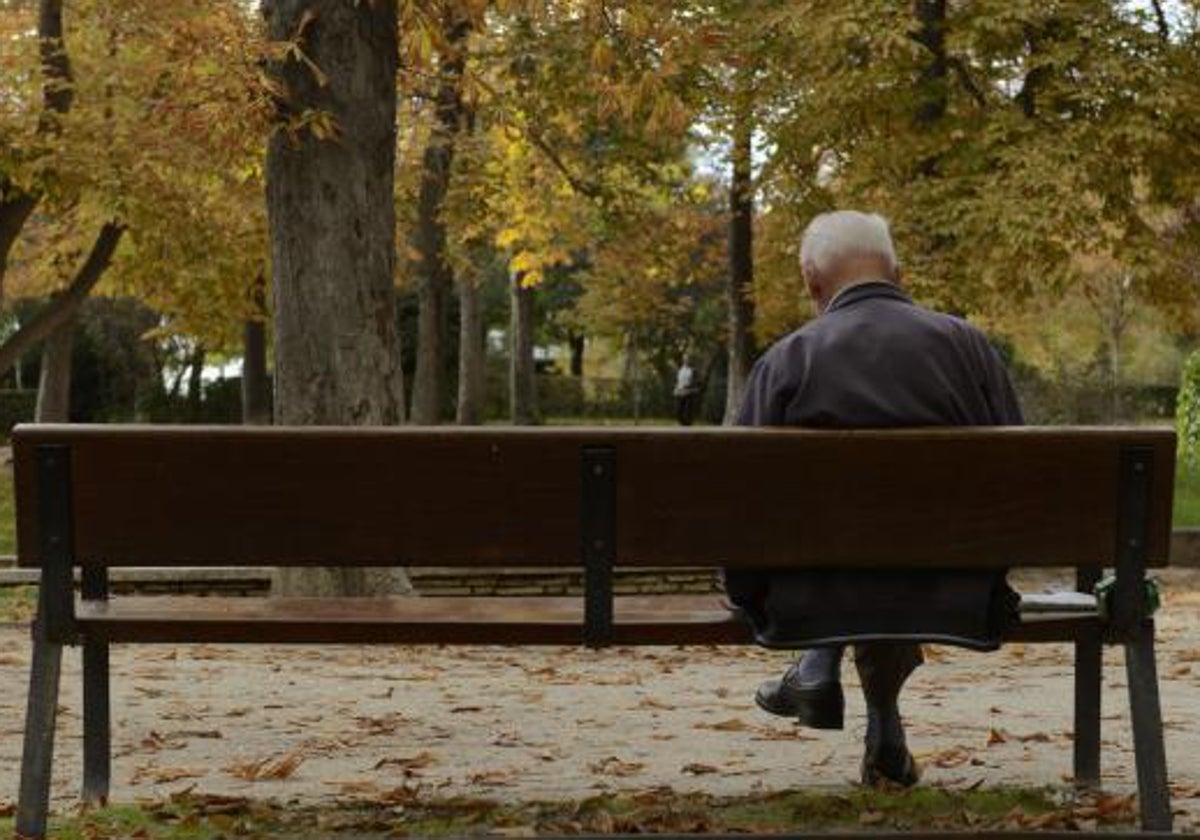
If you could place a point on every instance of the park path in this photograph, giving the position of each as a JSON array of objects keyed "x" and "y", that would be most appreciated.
[{"x": 305, "y": 724}]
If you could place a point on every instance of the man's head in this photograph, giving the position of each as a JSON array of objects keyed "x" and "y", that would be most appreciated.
[{"x": 846, "y": 247}]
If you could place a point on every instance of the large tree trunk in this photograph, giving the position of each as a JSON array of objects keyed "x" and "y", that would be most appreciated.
[
  {"x": 472, "y": 354},
  {"x": 63, "y": 305},
  {"x": 522, "y": 381},
  {"x": 741, "y": 262},
  {"x": 54, "y": 386},
  {"x": 256, "y": 391},
  {"x": 332, "y": 222},
  {"x": 435, "y": 276}
]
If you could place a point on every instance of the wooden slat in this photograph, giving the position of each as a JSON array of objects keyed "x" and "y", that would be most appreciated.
[
  {"x": 743, "y": 497},
  {"x": 961, "y": 498},
  {"x": 640, "y": 620}
]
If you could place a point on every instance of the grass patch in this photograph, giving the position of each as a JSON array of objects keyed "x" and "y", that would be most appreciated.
[
  {"x": 17, "y": 604},
  {"x": 191, "y": 817},
  {"x": 8, "y": 513},
  {"x": 1187, "y": 496}
]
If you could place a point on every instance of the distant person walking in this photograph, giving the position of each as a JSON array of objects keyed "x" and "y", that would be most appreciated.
[{"x": 686, "y": 392}]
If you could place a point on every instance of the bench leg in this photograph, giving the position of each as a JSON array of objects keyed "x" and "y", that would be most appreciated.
[
  {"x": 97, "y": 733},
  {"x": 1153, "y": 794},
  {"x": 1088, "y": 674},
  {"x": 41, "y": 713}
]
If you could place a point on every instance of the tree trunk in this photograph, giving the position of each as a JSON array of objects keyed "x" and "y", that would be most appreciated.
[
  {"x": 63, "y": 305},
  {"x": 16, "y": 204},
  {"x": 256, "y": 395},
  {"x": 435, "y": 276},
  {"x": 931, "y": 84},
  {"x": 522, "y": 382},
  {"x": 633, "y": 375},
  {"x": 578, "y": 346},
  {"x": 332, "y": 223},
  {"x": 54, "y": 386},
  {"x": 195, "y": 396},
  {"x": 741, "y": 262},
  {"x": 472, "y": 354},
  {"x": 256, "y": 392}
]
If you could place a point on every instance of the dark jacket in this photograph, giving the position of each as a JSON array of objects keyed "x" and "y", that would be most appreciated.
[{"x": 875, "y": 359}]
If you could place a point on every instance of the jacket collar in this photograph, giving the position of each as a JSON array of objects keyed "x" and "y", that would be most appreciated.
[{"x": 862, "y": 291}]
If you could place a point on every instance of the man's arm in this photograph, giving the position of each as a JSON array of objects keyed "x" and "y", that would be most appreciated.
[
  {"x": 765, "y": 400},
  {"x": 1002, "y": 397}
]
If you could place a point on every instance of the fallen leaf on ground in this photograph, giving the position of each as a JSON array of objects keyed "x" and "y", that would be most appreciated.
[
  {"x": 353, "y": 787},
  {"x": 731, "y": 725},
  {"x": 163, "y": 775},
  {"x": 953, "y": 757},
  {"x": 996, "y": 736},
  {"x": 1037, "y": 737},
  {"x": 409, "y": 764},
  {"x": 384, "y": 725},
  {"x": 613, "y": 766},
  {"x": 651, "y": 703},
  {"x": 267, "y": 768},
  {"x": 491, "y": 777}
]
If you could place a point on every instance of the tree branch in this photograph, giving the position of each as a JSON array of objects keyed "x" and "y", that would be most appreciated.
[
  {"x": 64, "y": 304},
  {"x": 17, "y": 204},
  {"x": 1160, "y": 16}
]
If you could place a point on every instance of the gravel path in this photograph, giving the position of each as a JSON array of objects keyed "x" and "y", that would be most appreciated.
[{"x": 313, "y": 724}]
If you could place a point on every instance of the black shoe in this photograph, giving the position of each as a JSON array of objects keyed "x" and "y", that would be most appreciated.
[
  {"x": 889, "y": 765},
  {"x": 820, "y": 706}
]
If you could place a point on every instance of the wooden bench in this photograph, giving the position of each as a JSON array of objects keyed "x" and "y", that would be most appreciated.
[{"x": 97, "y": 497}]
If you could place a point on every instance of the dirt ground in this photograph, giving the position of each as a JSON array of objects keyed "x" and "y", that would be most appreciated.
[{"x": 311, "y": 725}]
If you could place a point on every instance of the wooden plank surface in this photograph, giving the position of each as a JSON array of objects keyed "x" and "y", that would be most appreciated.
[
  {"x": 640, "y": 620},
  {"x": 161, "y": 496}
]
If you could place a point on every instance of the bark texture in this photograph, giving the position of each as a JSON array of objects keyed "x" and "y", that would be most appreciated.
[
  {"x": 62, "y": 306},
  {"x": 332, "y": 222},
  {"x": 522, "y": 384},
  {"x": 741, "y": 262},
  {"x": 472, "y": 354},
  {"x": 435, "y": 276},
  {"x": 54, "y": 386}
]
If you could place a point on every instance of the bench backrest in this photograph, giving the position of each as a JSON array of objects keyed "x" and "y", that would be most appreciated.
[{"x": 166, "y": 496}]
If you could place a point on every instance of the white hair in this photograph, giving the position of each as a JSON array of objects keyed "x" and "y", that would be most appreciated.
[{"x": 831, "y": 237}]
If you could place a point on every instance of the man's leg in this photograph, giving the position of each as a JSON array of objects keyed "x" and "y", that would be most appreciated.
[
  {"x": 810, "y": 691},
  {"x": 883, "y": 668}
]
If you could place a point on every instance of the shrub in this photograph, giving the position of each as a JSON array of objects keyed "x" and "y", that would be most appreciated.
[{"x": 1187, "y": 411}]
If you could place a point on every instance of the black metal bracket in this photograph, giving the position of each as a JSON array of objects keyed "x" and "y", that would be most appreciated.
[
  {"x": 598, "y": 533},
  {"x": 1127, "y": 610},
  {"x": 56, "y": 551}
]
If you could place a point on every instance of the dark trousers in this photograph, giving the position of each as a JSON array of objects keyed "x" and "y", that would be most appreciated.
[
  {"x": 685, "y": 408},
  {"x": 883, "y": 668}
]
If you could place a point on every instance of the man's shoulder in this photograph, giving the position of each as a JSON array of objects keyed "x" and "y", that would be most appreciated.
[{"x": 790, "y": 345}]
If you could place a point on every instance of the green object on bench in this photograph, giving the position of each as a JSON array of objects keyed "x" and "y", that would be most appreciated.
[
  {"x": 95, "y": 497},
  {"x": 1151, "y": 588}
]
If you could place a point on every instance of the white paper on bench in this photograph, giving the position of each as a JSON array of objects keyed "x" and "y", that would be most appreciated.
[{"x": 1053, "y": 606}]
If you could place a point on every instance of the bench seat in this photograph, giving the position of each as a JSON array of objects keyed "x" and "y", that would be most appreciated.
[{"x": 639, "y": 620}]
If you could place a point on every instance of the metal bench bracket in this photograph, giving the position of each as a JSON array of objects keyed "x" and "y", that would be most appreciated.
[{"x": 598, "y": 531}]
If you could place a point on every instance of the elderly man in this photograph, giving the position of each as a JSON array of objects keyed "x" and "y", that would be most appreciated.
[{"x": 871, "y": 359}]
